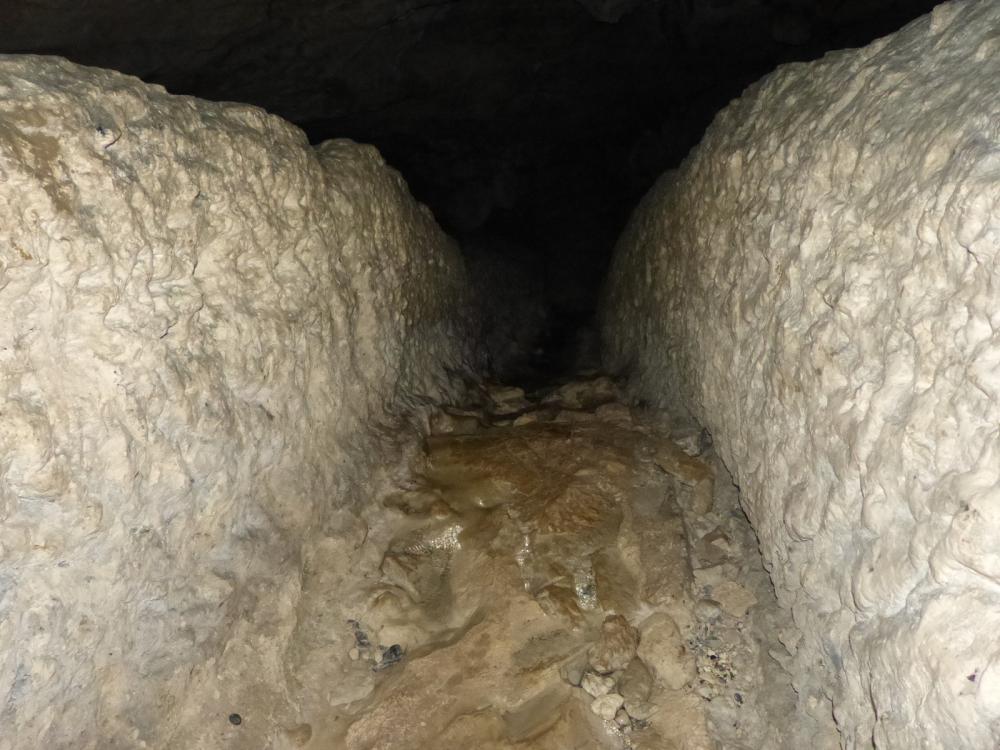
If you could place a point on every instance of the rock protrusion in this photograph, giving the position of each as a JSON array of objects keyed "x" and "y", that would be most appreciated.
[
  {"x": 616, "y": 647},
  {"x": 662, "y": 649}
]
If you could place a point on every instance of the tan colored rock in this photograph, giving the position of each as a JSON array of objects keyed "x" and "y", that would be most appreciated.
[
  {"x": 616, "y": 647},
  {"x": 299, "y": 735},
  {"x": 680, "y": 721},
  {"x": 691, "y": 440},
  {"x": 662, "y": 648},
  {"x": 507, "y": 400},
  {"x": 733, "y": 598},
  {"x": 443, "y": 423},
  {"x": 650, "y": 739},
  {"x": 641, "y": 710},
  {"x": 714, "y": 548},
  {"x": 713, "y": 575},
  {"x": 672, "y": 458},
  {"x": 616, "y": 413},
  {"x": 597, "y": 685},
  {"x": 607, "y": 706},
  {"x": 636, "y": 682},
  {"x": 694, "y": 474},
  {"x": 526, "y": 419},
  {"x": 574, "y": 668},
  {"x": 584, "y": 394}
]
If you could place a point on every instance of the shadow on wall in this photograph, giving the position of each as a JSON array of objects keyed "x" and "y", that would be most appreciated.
[{"x": 528, "y": 334}]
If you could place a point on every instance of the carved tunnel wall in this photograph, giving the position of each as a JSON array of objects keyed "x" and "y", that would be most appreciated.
[
  {"x": 206, "y": 326},
  {"x": 820, "y": 282}
]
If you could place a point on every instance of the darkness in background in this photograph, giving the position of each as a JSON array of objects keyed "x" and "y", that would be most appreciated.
[{"x": 537, "y": 122}]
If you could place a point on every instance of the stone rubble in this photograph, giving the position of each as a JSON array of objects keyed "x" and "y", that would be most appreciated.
[
  {"x": 616, "y": 647},
  {"x": 636, "y": 683},
  {"x": 597, "y": 685},
  {"x": 662, "y": 649},
  {"x": 607, "y": 706},
  {"x": 567, "y": 607}
]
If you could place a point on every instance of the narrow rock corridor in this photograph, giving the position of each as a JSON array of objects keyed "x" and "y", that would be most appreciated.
[
  {"x": 499, "y": 375},
  {"x": 558, "y": 571}
]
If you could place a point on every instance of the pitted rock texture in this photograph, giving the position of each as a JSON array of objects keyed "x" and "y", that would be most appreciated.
[
  {"x": 203, "y": 324},
  {"x": 540, "y": 122},
  {"x": 820, "y": 280}
]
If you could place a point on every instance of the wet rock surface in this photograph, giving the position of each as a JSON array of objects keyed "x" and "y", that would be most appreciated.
[{"x": 533, "y": 585}]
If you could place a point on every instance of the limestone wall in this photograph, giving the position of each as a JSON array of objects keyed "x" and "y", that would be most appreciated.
[
  {"x": 203, "y": 322},
  {"x": 821, "y": 281}
]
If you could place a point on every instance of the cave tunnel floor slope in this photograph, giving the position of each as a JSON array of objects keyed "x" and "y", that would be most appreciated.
[{"x": 558, "y": 570}]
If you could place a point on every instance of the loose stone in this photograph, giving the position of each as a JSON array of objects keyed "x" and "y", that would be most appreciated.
[
  {"x": 640, "y": 711},
  {"x": 662, "y": 648},
  {"x": 607, "y": 706},
  {"x": 636, "y": 683},
  {"x": 617, "y": 645},
  {"x": 597, "y": 685}
]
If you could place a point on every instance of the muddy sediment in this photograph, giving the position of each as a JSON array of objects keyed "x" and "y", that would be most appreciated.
[{"x": 559, "y": 571}]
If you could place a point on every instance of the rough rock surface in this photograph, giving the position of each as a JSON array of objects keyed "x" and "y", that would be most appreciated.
[
  {"x": 662, "y": 650},
  {"x": 820, "y": 280},
  {"x": 540, "y": 122},
  {"x": 203, "y": 324},
  {"x": 616, "y": 647}
]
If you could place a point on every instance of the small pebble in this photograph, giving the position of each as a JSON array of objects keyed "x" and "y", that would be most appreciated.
[
  {"x": 636, "y": 682},
  {"x": 640, "y": 711},
  {"x": 597, "y": 685},
  {"x": 663, "y": 649},
  {"x": 235, "y": 719},
  {"x": 529, "y": 418},
  {"x": 573, "y": 671},
  {"x": 616, "y": 647},
  {"x": 354, "y": 654},
  {"x": 607, "y": 706}
]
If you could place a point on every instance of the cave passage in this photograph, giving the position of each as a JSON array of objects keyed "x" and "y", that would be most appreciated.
[
  {"x": 565, "y": 571},
  {"x": 310, "y": 439},
  {"x": 530, "y": 130}
]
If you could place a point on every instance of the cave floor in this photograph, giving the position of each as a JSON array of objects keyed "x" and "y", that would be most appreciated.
[{"x": 556, "y": 571}]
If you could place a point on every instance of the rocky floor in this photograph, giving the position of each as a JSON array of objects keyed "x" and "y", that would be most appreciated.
[{"x": 554, "y": 572}]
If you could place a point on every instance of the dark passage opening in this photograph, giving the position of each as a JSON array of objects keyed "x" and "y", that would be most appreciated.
[{"x": 531, "y": 129}]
